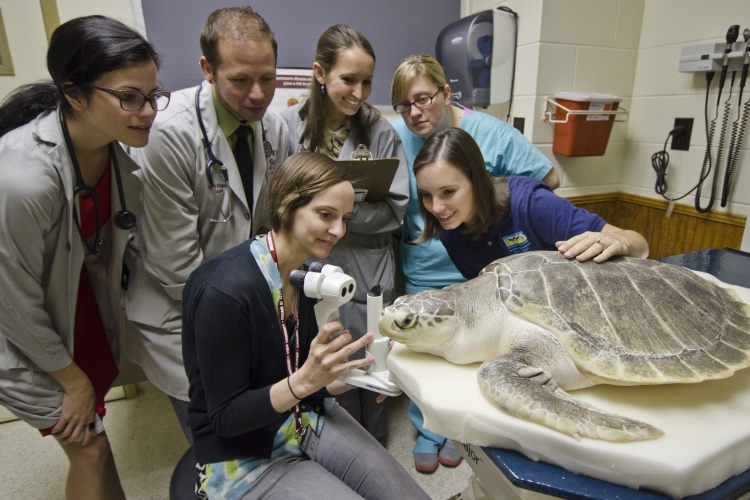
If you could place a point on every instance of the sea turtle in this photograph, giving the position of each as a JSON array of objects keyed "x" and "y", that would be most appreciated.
[{"x": 544, "y": 325}]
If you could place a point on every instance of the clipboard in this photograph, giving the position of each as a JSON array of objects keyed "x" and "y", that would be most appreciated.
[{"x": 371, "y": 177}]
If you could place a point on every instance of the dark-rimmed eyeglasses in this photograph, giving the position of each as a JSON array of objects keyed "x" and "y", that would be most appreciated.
[
  {"x": 132, "y": 100},
  {"x": 422, "y": 102}
]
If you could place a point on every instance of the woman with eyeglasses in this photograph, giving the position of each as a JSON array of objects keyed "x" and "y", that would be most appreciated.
[
  {"x": 334, "y": 120},
  {"x": 421, "y": 95},
  {"x": 65, "y": 188}
]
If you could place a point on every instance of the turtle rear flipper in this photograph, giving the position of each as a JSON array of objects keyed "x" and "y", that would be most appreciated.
[{"x": 532, "y": 394}]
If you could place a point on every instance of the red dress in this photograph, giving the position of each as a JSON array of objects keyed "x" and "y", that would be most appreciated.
[{"x": 91, "y": 350}]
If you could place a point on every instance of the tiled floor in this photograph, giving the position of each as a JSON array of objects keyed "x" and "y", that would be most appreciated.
[{"x": 147, "y": 443}]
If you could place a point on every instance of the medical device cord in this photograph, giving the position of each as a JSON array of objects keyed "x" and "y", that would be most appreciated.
[
  {"x": 515, "y": 49},
  {"x": 660, "y": 160},
  {"x": 719, "y": 153},
  {"x": 738, "y": 127}
]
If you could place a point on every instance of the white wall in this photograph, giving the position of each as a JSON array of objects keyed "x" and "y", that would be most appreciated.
[
  {"x": 27, "y": 38},
  {"x": 628, "y": 48},
  {"x": 27, "y": 42},
  {"x": 122, "y": 10},
  {"x": 579, "y": 46},
  {"x": 661, "y": 94}
]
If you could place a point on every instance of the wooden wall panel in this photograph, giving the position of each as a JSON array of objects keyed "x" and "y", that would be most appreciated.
[{"x": 686, "y": 230}]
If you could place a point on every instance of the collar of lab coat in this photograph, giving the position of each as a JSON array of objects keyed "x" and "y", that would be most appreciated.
[{"x": 48, "y": 130}]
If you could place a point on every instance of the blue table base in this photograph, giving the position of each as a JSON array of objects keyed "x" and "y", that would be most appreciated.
[{"x": 555, "y": 481}]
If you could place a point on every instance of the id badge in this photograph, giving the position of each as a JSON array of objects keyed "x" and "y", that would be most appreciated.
[{"x": 310, "y": 443}]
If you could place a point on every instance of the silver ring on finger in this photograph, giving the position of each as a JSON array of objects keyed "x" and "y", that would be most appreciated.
[
  {"x": 604, "y": 245},
  {"x": 346, "y": 363}
]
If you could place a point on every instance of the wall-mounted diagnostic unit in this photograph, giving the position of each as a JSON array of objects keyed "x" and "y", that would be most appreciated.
[
  {"x": 730, "y": 61},
  {"x": 710, "y": 57}
]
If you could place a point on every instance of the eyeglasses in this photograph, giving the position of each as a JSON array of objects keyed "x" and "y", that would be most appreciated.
[
  {"x": 422, "y": 102},
  {"x": 131, "y": 100}
]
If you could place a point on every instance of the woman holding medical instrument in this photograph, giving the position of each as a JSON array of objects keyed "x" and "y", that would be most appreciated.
[
  {"x": 261, "y": 374},
  {"x": 65, "y": 188},
  {"x": 334, "y": 121}
]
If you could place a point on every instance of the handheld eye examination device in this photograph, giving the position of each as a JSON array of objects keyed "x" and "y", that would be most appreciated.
[{"x": 334, "y": 289}]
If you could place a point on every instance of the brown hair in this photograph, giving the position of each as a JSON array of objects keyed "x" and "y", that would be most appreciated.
[
  {"x": 80, "y": 52},
  {"x": 238, "y": 24},
  {"x": 412, "y": 67},
  {"x": 335, "y": 40},
  {"x": 491, "y": 195},
  {"x": 297, "y": 181}
]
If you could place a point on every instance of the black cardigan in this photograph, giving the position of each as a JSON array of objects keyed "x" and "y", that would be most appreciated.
[{"x": 233, "y": 349}]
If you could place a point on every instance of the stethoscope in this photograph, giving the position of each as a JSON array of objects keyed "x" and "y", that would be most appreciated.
[
  {"x": 212, "y": 160},
  {"x": 124, "y": 219}
]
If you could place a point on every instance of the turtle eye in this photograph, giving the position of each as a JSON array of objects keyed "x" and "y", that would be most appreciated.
[{"x": 409, "y": 321}]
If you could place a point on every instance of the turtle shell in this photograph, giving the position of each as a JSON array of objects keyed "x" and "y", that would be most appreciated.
[{"x": 629, "y": 321}]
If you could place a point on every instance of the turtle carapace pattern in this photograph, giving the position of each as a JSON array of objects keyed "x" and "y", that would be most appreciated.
[{"x": 543, "y": 325}]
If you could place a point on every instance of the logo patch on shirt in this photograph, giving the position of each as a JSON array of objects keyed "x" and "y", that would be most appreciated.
[{"x": 517, "y": 242}]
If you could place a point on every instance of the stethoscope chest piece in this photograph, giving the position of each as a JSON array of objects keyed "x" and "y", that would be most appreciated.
[{"x": 124, "y": 219}]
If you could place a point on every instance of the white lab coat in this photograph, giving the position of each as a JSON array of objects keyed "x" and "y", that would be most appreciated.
[
  {"x": 41, "y": 255},
  {"x": 366, "y": 252},
  {"x": 175, "y": 234}
]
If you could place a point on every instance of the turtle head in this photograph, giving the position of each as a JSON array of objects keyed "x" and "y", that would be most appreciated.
[{"x": 423, "y": 320}]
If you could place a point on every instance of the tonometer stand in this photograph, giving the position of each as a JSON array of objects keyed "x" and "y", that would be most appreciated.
[{"x": 334, "y": 289}]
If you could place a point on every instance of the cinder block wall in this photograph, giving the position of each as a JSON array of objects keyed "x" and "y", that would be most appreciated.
[
  {"x": 661, "y": 94},
  {"x": 628, "y": 48}
]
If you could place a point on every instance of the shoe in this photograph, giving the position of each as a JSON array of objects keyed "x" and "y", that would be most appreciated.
[
  {"x": 426, "y": 462},
  {"x": 449, "y": 455}
]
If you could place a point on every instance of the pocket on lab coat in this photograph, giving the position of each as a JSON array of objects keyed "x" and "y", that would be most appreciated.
[{"x": 13, "y": 364}]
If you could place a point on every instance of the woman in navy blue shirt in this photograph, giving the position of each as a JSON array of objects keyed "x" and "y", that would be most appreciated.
[{"x": 480, "y": 218}]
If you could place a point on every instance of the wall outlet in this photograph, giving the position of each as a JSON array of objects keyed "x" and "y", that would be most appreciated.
[
  {"x": 682, "y": 142},
  {"x": 519, "y": 123}
]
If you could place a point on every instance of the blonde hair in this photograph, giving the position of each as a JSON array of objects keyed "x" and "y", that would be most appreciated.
[
  {"x": 412, "y": 67},
  {"x": 298, "y": 180}
]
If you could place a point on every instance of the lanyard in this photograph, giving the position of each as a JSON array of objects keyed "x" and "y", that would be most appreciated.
[{"x": 290, "y": 368}]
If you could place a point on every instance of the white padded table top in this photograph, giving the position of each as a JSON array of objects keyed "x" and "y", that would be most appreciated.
[{"x": 706, "y": 425}]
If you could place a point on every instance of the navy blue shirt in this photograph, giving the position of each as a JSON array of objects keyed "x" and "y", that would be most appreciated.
[{"x": 536, "y": 220}]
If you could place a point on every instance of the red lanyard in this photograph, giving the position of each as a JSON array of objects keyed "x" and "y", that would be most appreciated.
[{"x": 285, "y": 333}]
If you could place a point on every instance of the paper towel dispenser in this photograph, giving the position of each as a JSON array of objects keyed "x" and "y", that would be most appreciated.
[{"x": 477, "y": 55}]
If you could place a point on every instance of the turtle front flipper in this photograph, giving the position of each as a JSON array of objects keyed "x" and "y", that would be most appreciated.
[{"x": 532, "y": 394}]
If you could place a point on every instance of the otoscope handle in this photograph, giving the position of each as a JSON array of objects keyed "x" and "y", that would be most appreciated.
[{"x": 732, "y": 34}]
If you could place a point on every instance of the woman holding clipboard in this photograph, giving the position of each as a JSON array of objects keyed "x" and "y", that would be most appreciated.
[{"x": 334, "y": 121}]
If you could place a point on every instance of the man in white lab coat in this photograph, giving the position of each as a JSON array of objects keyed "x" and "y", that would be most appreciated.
[{"x": 205, "y": 174}]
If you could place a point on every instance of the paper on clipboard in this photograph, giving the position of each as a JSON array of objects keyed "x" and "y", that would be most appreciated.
[{"x": 371, "y": 177}]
